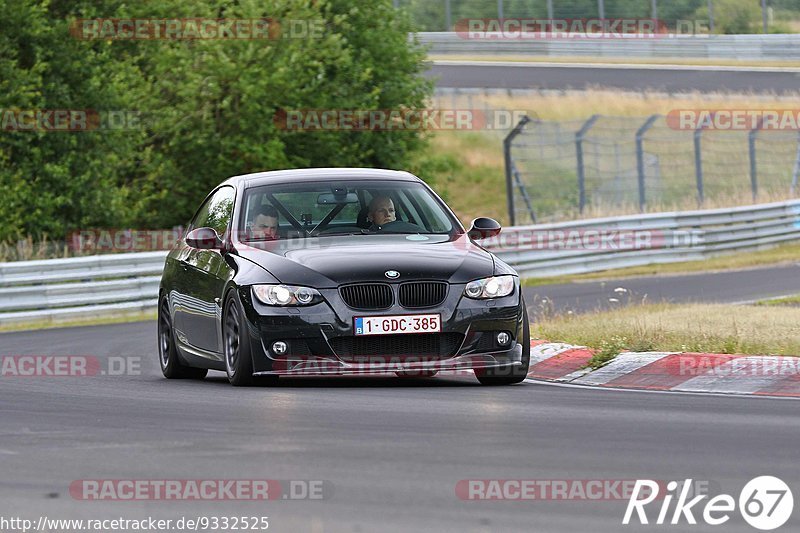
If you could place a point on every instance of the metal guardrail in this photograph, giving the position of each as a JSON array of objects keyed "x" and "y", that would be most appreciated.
[
  {"x": 51, "y": 290},
  {"x": 58, "y": 289},
  {"x": 777, "y": 47},
  {"x": 547, "y": 250}
]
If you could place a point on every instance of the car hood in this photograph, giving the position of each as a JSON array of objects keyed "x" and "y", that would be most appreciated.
[{"x": 326, "y": 262}]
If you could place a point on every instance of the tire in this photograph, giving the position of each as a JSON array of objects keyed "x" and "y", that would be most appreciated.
[
  {"x": 236, "y": 343},
  {"x": 417, "y": 374},
  {"x": 168, "y": 359},
  {"x": 515, "y": 374}
]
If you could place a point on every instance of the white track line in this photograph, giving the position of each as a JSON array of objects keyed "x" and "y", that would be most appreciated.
[
  {"x": 740, "y": 375},
  {"x": 649, "y": 391},
  {"x": 621, "y": 365},
  {"x": 543, "y": 352}
]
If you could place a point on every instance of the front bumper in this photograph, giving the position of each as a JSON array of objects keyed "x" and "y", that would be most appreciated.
[{"x": 313, "y": 332}]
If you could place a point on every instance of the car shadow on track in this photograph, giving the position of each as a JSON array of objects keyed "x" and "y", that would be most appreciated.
[{"x": 375, "y": 381}]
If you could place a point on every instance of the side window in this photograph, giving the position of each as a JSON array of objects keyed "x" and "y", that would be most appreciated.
[{"x": 217, "y": 211}]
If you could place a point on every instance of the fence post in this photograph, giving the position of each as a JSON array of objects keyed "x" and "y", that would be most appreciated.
[
  {"x": 500, "y": 9},
  {"x": 640, "y": 157},
  {"x": 448, "y": 16},
  {"x": 510, "y": 167},
  {"x": 550, "y": 14},
  {"x": 698, "y": 163},
  {"x": 711, "y": 16},
  {"x": 764, "y": 15},
  {"x": 796, "y": 167},
  {"x": 579, "y": 136},
  {"x": 654, "y": 10},
  {"x": 601, "y": 9},
  {"x": 751, "y": 143}
]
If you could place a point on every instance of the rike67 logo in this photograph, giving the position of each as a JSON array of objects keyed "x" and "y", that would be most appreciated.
[{"x": 766, "y": 503}]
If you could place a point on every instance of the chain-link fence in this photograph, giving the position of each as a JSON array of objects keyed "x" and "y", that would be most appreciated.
[
  {"x": 559, "y": 170},
  {"x": 723, "y": 16}
]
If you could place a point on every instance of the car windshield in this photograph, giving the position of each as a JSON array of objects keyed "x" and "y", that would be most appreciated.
[{"x": 292, "y": 210}]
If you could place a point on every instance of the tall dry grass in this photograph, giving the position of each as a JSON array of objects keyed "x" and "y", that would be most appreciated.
[
  {"x": 573, "y": 105},
  {"x": 726, "y": 329},
  {"x": 28, "y": 249}
]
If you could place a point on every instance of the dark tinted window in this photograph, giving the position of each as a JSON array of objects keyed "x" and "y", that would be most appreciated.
[{"x": 343, "y": 207}]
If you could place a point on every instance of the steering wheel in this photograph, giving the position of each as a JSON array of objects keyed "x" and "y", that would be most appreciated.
[{"x": 401, "y": 225}]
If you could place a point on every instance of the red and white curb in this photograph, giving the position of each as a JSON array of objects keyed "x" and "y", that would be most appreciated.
[{"x": 669, "y": 371}]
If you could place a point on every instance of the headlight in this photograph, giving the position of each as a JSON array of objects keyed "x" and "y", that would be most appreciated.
[
  {"x": 494, "y": 287},
  {"x": 284, "y": 295}
]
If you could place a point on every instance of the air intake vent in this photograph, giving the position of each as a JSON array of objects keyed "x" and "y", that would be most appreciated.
[
  {"x": 436, "y": 345},
  {"x": 368, "y": 296},
  {"x": 422, "y": 294}
]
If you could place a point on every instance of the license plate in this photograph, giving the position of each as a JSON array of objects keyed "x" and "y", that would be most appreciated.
[{"x": 385, "y": 325}]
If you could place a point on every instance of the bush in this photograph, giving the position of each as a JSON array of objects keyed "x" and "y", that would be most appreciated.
[
  {"x": 733, "y": 16},
  {"x": 208, "y": 106}
]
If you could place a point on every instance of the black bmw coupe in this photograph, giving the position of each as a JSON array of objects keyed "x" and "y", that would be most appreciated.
[{"x": 337, "y": 271}]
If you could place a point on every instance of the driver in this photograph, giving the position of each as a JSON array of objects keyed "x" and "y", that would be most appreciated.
[
  {"x": 381, "y": 212},
  {"x": 265, "y": 225}
]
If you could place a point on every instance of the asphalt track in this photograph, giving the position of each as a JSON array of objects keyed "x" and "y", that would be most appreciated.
[
  {"x": 737, "y": 286},
  {"x": 629, "y": 78},
  {"x": 392, "y": 449}
]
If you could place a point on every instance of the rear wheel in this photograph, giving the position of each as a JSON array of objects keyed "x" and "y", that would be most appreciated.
[
  {"x": 171, "y": 365},
  {"x": 516, "y": 374}
]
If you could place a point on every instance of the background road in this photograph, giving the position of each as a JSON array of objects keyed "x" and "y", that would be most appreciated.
[
  {"x": 738, "y": 286},
  {"x": 703, "y": 79},
  {"x": 393, "y": 449}
]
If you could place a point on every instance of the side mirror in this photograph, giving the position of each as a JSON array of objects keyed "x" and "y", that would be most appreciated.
[
  {"x": 204, "y": 239},
  {"x": 484, "y": 228}
]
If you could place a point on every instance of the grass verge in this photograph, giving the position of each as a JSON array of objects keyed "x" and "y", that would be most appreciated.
[
  {"x": 705, "y": 328},
  {"x": 467, "y": 170},
  {"x": 789, "y": 301},
  {"x": 783, "y": 254},
  {"x": 137, "y": 316}
]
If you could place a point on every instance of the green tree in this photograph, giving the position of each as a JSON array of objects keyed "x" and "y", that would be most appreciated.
[
  {"x": 214, "y": 102},
  {"x": 733, "y": 16},
  {"x": 208, "y": 105},
  {"x": 52, "y": 182}
]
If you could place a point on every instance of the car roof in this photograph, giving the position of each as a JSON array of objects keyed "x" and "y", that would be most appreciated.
[{"x": 319, "y": 174}]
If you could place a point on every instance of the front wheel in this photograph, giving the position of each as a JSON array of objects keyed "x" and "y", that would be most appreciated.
[
  {"x": 516, "y": 374},
  {"x": 171, "y": 365},
  {"x": 236, "y": 344}
]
